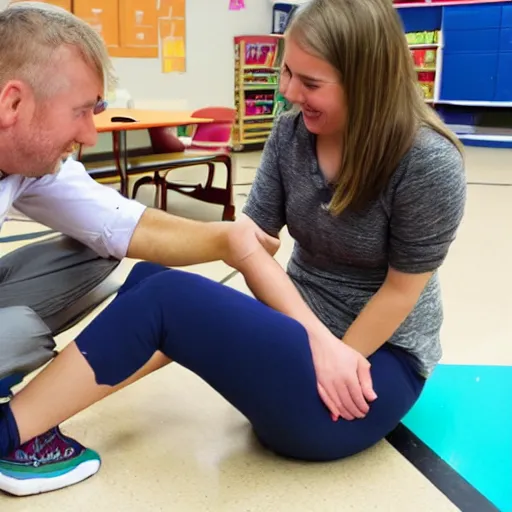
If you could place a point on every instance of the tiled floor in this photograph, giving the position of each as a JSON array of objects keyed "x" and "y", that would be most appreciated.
[{"x": 171, "y": 443}]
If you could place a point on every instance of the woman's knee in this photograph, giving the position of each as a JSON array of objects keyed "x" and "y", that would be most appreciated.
[
  {"x": 182, "y": 290},
  {"x": 141, "y": 271}
]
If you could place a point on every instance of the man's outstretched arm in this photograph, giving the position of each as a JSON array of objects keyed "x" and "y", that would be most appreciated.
[{"x": 71, "y": 202}]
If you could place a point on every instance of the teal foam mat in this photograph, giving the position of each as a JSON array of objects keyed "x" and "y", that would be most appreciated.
[{"x": 464, "y": 415}]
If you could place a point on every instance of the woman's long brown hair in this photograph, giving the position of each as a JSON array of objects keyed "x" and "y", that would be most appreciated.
[{"x": 364, "y": 41}]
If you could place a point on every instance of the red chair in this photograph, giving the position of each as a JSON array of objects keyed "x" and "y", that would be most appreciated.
[
  {"x": 214, "y": 136},
  {"x": 210, "y": 144}
]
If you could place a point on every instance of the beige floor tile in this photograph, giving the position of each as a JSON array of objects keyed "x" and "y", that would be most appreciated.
[
  {"x": 477, "y": 281},
  {"x": 15, "y": 228},
  {"x": 171, "y": 443},
  {"x": 489, "y": 165}
]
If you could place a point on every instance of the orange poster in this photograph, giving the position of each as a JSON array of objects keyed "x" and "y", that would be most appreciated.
[{"x": 172, "y": 35}]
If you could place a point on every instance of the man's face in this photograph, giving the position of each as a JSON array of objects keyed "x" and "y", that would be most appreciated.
[{"x": 40, "y": 132}]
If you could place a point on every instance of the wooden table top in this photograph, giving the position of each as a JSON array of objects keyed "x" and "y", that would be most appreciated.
[{"x": 144, "y": 119}]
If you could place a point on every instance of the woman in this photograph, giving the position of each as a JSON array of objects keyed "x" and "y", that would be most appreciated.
[{"x": 371, "y": 185}]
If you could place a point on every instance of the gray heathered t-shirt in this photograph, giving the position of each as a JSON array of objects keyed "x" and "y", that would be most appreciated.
[{"x": 338, "y": 263}]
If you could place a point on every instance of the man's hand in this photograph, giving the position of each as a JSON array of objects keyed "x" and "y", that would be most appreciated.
[
  {"x": 174, "y": 241},
  {"x": 246, "y": 237}
]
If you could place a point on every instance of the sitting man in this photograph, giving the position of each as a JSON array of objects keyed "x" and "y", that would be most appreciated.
[{"x": 54, "y": 70}]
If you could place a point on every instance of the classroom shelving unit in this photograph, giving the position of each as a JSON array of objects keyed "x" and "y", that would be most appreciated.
[
  {"x": 424, "y": 47},
  {"x": 257, "y": 65},
  {"x": 462, "y": 52},
  {"x": 470, "y": 85}
]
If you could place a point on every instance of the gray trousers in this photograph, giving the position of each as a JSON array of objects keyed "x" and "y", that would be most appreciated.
[{"x": 45, "y": 288}]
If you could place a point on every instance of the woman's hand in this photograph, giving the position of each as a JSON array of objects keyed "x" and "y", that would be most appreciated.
[
  {"x": 343, "y": 377},
  {"x": 343, "y": 374},
  {"x": 246, "y": 237}
]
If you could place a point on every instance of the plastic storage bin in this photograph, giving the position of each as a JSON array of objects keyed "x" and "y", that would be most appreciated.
[
  {"x": 471, "y": 17},
  {"x": 506, "y": 16},
  {"x": 470, "y": 41},
  {"x": 460, "y": 83},
  {"x": 506, "y": 40},
  {"x": 504, "y": 78}
]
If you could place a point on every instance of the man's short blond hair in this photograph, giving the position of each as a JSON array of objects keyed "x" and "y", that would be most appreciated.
[{"x": 30, "y": 33}]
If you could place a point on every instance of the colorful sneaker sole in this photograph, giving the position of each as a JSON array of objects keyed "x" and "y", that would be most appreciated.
[{"x": 21, "y": 480}]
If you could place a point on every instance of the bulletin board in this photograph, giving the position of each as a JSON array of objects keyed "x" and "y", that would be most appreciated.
[{"x": 137, "y": 28}]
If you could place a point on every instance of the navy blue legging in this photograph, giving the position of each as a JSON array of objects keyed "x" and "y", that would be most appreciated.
[{"x": 255, "y": 357}]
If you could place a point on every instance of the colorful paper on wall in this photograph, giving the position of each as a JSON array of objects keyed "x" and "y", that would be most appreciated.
[
  {"x": 172, "y": 37},
  {"x": 236, "y": 5}
]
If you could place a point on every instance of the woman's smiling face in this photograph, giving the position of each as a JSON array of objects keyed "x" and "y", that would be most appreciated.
[{"x": 313, "y": 85}]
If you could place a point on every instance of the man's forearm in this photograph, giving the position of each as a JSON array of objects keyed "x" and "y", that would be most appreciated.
[{"x": 175, "y": 241}]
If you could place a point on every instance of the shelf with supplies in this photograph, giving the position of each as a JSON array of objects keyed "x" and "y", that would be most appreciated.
[
  {"x": 440, "y": 3},
  {"x": 424, "y": 47},
  {"x": 257, "y": 59},
  {"x": 462, "y": 54}
]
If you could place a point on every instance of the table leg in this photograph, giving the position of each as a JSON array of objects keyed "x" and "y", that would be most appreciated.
[{"x": 121, "y": 157}]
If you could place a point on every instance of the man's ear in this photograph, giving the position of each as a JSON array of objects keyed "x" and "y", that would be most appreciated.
[{"x": 11, "y": 96}]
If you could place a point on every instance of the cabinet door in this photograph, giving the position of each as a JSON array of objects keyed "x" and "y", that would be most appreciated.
[
  {"x": 504, "y": 78},
  {"x": 471, "y": 41},
  {"x": 138, "y": 24},
  {"x": 65, "y": 4},
  {"x": 470, "y": 17},
  {"x": 103, "y": 16},
  {"x": 506, "y": 18},
  {"x": 458, "y": 82},
  {"x": 506, "y": 40}
]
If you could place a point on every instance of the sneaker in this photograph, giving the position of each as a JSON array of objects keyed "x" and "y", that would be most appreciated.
[{"x": 47, "y": 463}]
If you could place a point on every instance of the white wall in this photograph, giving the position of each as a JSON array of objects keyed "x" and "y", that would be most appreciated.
[{"x": 209, "y": 76}]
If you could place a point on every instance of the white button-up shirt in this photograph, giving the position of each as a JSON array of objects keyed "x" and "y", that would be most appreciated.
[{"x": 72, "y": 203}]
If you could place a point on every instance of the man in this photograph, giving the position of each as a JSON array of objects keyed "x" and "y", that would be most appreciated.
[{"x": 54, "y": 70}]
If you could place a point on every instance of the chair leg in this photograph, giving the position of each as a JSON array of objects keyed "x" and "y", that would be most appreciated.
[
  {"x": 229, "y": 207},
  {"x": 118, "y": 140},
  {"x": 211, "y": 174},
  {"x": 228, "y": 213},
  {"x": 147, "y": 180},
  {"x": 208, "y": 193},
  {"x": 162, "y": 184}
]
